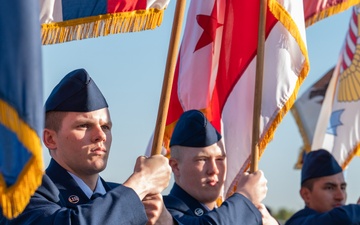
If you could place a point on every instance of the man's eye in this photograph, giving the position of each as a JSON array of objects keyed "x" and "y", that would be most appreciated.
[{"x": 106, "y": 127}]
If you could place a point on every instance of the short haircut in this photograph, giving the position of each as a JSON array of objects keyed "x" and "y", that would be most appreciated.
[
  {"x": 53, "y": 120},
  {"x": 309, "y": 184},
  {"x": 175, "y": 151}
]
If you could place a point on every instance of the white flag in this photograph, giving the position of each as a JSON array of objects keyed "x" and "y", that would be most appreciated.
[{"x": 338, "y": 127}]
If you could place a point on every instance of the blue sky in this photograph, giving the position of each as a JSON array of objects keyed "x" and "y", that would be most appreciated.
[{"x": 129, "y": 70}]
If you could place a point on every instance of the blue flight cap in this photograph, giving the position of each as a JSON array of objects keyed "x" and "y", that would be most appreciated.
[
  {"x": 76, "y": 92},
  {"x": 319, "y": 163},
  {"x": 194, "y": 130}
]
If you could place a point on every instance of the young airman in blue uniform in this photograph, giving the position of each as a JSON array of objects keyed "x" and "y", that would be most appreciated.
[
  {"x": 323, "y": 189},
  {"x": 198, "y": 162},
  {"x": 78, "y": 135}
]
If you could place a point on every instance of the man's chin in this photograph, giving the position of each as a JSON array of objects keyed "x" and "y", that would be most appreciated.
[
  {"x": 99, "y": 166},
  {"x": 212, "y": 194}
]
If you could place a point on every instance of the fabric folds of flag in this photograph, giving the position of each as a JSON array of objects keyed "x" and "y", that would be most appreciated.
[
  {"x": 215, "y": 71},
  {"x": 306, "y": 112},
  {"x": 316, "y": 10},
  {"x": 64, "y": 21},
  {"x": 21, "y": 110},
  {"x": 338, "y": 127}
]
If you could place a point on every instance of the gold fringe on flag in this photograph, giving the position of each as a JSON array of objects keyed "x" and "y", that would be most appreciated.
[
  {"x": 285, "y": 19},
  {"x": 283, "y": 16},
  {"x": 307, "y": 146},
  {"x": 102, "y": 25},
  {"x": 169, "y": 129},
  {"x": 14, "y": 199},
  {"x": 352, "y": 154},
  {"x": 338, "y": 8}
]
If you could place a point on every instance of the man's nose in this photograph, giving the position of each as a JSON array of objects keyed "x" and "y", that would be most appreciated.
[
  {"x": 99, "y": 134},
  {"x": 213, "y": 168},
  {"x": 340, "y": 194}
]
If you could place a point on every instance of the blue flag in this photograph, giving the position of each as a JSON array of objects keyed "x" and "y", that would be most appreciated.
[{"x": 21, "y": 99}]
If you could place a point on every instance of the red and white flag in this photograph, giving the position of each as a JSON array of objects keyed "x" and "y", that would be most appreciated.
[
  {"x": 215, "y": 71},
  {"x": 338, "y": 127},
  {"x": 316, "y": 10}
]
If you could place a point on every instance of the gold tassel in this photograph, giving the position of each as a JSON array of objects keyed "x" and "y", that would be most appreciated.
[
  {"x": 14, "y": 199},
  {"x": 330, "y": 11},
  {"x": 351, "y": 155},
  {"x": 306, "y": 147},
  {"x": 102, "y": 25},
  {"x": 299, "y": 123},
  {"x": 281, "y": 14}
]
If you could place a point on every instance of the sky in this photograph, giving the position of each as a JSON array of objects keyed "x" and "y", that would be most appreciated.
[{"x": 129, "y": 70}]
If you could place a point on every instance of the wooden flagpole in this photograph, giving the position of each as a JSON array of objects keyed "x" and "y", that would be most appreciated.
[
  {"x": 258, "y": 87},
  {"x": 168, "y": 77}
]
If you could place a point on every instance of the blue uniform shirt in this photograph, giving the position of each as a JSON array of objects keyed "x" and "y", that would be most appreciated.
[
  {"x": 60, "y": 200},
  {"x": 343, "y": 215},
  {"x": 188, "y": 211}
]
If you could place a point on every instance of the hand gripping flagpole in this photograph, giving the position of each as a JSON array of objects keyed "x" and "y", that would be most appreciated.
[
  {"x": 168, "y": 77},
  {"x": 258, "y": 88}
]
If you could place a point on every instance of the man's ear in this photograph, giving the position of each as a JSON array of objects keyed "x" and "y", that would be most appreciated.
[
  {"x": 49, "y": 139},
  {"x": 305, "y": 194},
  {"x": 174, "y": 164}
]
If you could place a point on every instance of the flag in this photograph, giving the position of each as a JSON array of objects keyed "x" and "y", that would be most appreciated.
[
  {"x": 316, "y": 10},
  {"x": 306, "y": 112},
  {"x": 21, "y": 110},
  {"x": 215, "y": 72},
  {"x": 64, "y": 21},
  {"x": 338, "y": 127}
]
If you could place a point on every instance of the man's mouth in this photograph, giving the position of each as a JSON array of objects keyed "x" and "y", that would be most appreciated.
[
  {"x": 212, "y": 182},
  {"x": 98, "y": 150}
]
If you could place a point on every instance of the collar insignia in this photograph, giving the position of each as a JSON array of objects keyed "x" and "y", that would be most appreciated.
[
  {"x": 199, "y": 212},
  {"x": 73, "y": 199}
]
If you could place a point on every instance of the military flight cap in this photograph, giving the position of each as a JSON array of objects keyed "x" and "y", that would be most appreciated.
[
  {"x": 76, "y": 92},
  {"x": 319, "y": 163},
  {"x": 194, "y": 130}
]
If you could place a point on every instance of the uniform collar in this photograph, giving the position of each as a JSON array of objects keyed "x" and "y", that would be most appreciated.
[
  {"x": 86, "y": 189},
  {"x": 70, "y": 192},
  {"x": 197, "y": 208}
]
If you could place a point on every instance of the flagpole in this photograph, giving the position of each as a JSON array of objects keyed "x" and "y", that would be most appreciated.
[
  {"x": 258, "y": 88},
  {"x": 168, "y": 77}
]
